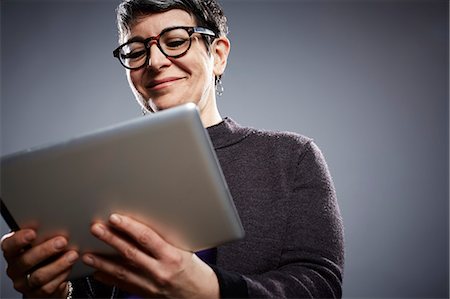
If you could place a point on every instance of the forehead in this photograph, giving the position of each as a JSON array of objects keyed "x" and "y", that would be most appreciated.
[{"x": 153, "y": 24}]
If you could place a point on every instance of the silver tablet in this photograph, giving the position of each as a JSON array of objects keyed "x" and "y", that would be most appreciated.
[{"x": 160, "y": 168}]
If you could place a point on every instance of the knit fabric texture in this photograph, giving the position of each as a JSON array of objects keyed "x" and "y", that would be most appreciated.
[{"x": 286, "y": 200}]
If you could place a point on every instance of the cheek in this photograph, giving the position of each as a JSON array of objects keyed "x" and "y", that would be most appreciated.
[
  {"x": 200, "y": 70},
  {"x": 134, "y": 79},
  {"x": 197, "y": 62}
]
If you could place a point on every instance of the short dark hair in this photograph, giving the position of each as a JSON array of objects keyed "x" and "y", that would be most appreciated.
[{"x": 207, "y": 13}]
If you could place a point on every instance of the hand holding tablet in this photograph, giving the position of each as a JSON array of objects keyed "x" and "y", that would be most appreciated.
[{"x": 160, "y": 168}]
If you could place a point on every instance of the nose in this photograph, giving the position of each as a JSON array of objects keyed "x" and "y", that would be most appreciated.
[{"x": 157, "y": 58}]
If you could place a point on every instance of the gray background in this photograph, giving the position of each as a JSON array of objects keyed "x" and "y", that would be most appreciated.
[{"x": 367, "y": 79}]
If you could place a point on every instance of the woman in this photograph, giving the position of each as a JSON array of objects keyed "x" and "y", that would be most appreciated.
[{"x": 176, "y": 52}]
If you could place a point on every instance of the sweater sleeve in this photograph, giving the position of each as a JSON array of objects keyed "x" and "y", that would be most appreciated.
[{"x": 312, "y": 258}]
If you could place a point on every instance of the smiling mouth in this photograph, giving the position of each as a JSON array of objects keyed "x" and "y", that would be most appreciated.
[{"x": 159, "y": 84}]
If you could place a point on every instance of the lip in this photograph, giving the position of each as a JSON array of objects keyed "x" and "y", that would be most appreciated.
[{"x": 161, "y": 83}]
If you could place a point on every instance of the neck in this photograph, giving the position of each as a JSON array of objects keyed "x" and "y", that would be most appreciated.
[
  {"x": 210, "y": 117},
  {"x": 209, "y": 113}
]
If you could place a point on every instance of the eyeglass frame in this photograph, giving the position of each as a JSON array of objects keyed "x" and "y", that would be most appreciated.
[{"x": 147, "y": 43}]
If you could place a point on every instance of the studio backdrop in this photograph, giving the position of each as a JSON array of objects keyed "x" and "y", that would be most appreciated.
[{"x": 368, "y": 80}]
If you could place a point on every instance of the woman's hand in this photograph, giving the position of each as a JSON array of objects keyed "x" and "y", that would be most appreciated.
[
  {"x": 40, "y": 270},
  {"x": 150, "y": 266}
]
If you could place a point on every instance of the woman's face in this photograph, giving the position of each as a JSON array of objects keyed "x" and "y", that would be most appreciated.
[{"x": 167, "y": 82}]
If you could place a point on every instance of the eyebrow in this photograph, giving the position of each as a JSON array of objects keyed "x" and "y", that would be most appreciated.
[
  {"x": 135, "y": 39},
  {"x": 141, "y": 39}
]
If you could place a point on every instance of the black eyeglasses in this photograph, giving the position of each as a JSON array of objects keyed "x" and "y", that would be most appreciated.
[{"x": 173, "y": 42}]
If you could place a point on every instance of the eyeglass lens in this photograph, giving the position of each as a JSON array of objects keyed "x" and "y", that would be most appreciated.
[{"x": 172, "y": 43}]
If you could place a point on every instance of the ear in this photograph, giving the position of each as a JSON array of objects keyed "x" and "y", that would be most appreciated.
[{"x": 220, "y": 51}]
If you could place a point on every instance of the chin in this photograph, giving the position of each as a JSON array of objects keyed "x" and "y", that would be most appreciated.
[
  {"x": 169, "y": 100},
  {"x": 166, "y": 104}
]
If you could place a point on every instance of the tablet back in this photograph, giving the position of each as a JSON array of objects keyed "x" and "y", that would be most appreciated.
[{"x": 160, "y": 169}]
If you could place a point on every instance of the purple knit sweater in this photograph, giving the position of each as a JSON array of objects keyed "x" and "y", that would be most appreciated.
[{"x": 285, "y": 197}]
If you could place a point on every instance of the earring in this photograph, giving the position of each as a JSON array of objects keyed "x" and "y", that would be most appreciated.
[
  {"x": 219, "y": 86},
  {"x": 146, "y": 109}
]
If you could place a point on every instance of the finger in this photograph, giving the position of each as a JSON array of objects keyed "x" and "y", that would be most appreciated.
[
  {"x": 13, "y": 243},
  {"x": 43, "y": 277},
  {"x": 35, "y": 255},
  {"x": 54, "y": 288},
  {"x": 115, "y": 273},
  {"x": 6, "y": 236},
  {"x": 142, "y": 234},
  {"x": 129, "y": 251}
]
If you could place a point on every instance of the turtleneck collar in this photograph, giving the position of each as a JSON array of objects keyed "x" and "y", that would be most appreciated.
[{"x": 226, "y": 133}]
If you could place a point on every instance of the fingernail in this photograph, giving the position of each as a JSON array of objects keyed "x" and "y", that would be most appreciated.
[
  {"x": 114, "y": 219},
  {"x": 60, "y": 243},
  {"x": 98, "y": 230},
  {"x": 72, "y": 256},
  {"x": 87, "y": 259},
  {"x": 29, "y": 236}
]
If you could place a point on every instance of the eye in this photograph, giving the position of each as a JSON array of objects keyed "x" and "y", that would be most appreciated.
[
  {"x": 175, "y": 43},
  {"x": 133, "y": 55},
  {"x": 135, "y": 50}
]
